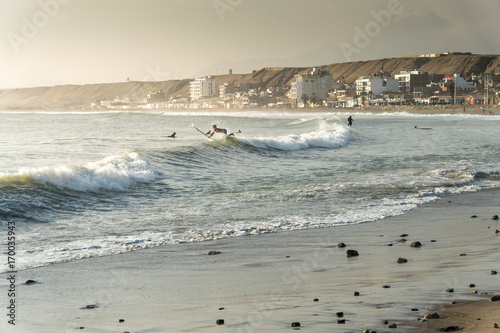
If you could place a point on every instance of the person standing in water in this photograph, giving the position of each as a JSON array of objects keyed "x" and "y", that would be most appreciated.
[{"x": 350, "y": 121}]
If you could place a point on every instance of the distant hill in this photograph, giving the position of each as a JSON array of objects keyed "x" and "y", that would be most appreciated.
[{"x": 82, "y": 95}]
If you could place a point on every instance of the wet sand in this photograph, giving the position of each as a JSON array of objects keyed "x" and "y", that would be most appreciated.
[{"x": 264, "y": 283}]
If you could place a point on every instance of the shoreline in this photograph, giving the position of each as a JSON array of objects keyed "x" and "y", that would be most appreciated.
[
  {"x": 427, "y": 109},
  {"x": 266, "y": 282}
]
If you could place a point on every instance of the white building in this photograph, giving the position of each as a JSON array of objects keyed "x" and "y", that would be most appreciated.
[
  {"x": 460, "y": 82},
  {"x": 319, "y": 82},
  {"x": 373, "y": 86},
  {"x": 200, "y": 88}
]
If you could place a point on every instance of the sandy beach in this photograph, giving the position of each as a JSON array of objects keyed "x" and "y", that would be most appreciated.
[{"x": 264, "y": 283}]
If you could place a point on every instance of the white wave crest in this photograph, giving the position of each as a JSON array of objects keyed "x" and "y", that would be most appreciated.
[
  {"x": 325, "y": 137},
  {"x": 114, "y": 173}
]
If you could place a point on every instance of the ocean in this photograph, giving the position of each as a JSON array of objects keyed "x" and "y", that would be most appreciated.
[{"x": 84, "y": 184}]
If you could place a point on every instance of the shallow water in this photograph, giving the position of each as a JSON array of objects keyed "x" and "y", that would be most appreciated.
[{"x": 84, "y": 184}]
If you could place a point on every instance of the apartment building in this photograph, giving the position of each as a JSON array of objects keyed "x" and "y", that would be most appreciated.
[
  {"x": 318, "y": 82},
  {"x": 202, "y": 87}
]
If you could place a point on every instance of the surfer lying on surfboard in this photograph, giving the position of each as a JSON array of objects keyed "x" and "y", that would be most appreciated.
[{"x": 215, "y": 129}]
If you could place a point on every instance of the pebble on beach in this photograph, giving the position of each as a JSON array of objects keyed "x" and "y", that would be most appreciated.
[
  {"x": 416, "y": 244},
  {"x": 220, "y": 322},
  {"x": 402, "y": 260},
  {"x": 340, "y": 314},
  {"x": 341, "y": 245},
  {"x": 434, "y": 315},
  {"x": 495, "y": 217},
  {"x": 30, "y": 282},
  {"x": 495, "y": 298},
  {"x": 296, "y": 324},
  {"x": 213, "y": 253},
  {"x": 352, "y": 253}
]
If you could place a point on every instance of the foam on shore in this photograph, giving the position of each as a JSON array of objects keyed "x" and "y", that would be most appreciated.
[{"x": 263, "y": 283}]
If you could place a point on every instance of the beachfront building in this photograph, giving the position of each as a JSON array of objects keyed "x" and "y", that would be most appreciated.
[
  {"x": 318, "y": 82},
  {"x": 412, "y": 81},
  {"x": 461, "y": 83},
  {"x": 201, "y": 88},
  {"x": 226, "y": 91},
  {"x": 372, "y": 86}
]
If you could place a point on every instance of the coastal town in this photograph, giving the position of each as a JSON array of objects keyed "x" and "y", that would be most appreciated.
[{"x": 319, "y": 89}]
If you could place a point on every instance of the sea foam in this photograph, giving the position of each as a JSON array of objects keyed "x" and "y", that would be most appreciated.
[
  {"x": 113, "y": 173},
  {"x": 335, "y": 136}
]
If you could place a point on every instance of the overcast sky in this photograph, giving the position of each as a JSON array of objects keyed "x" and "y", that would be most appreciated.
[{"x": 52, "y": 42}]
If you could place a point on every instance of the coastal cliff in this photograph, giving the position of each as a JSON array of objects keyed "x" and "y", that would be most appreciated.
[{"x": 65, "y": 96}]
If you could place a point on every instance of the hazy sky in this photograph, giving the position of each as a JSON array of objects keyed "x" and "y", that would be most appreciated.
[{"x": 51, "y": 42}]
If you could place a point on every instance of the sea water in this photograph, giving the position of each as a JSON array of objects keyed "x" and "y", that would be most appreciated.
[{"x": 82, "y": 184}]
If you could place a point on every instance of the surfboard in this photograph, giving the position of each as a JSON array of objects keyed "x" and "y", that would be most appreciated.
[{"x": 199, "y": 130}]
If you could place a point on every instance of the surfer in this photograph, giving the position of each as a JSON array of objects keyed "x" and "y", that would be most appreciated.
[
  {"x": 215, "y": 129},
  {"x": 171, "y": 135},
  {"x": 350, "y": 121}
]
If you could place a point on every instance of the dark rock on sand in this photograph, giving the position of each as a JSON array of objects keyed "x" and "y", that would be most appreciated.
[
  {"x": 402, "y": 240},
  {"x": 434, "y": 315},
  {"x": 392, "y": 325},
  {"x": 30, "y": 282},
  {"x": 340, "y": 314},
  {"x": 449, "y": 329},
  {"x": 402, "y": 260},
  {"x": 296, "y": 324},
  {"x": 385, "y": 322},
  {"x": 220, "y": 322},
  {"x": 495, "y": 298},
  {"x": 220, "y": 309},
  {"x": 494, "y": 273},
  {"x": 495, "y": 217},
  {"x": 356, "y": 293},
  {"x": 473, "y": 216},
  {"x": 352, "y": 253},
  {"x": 213, "y": 253},
  {"x": 414, "y": 309},
  {"x": 433, "y": 241},
  {"x": 341, "y": 321},
  {"x": 403, "y": 235},
  {"x": 91, "y": 306},
  {"x": 385, "y": 286},
  {"x": 416, "y": 244},
  {"x": 472, "y": 285},
  {"x": 121, "y": 320},
  {"x": 450, "y": 290},
  {"x": 496, "y": 325},
  {"x": 316, "y": 300},
  {"x": 341, "y": 245}
]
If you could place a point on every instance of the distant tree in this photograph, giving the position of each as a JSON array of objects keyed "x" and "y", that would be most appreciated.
[
  {"x": 304, "y": 98},
  {"x": 451, "y": 88},
  {"x": 314, "y": 99}
]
